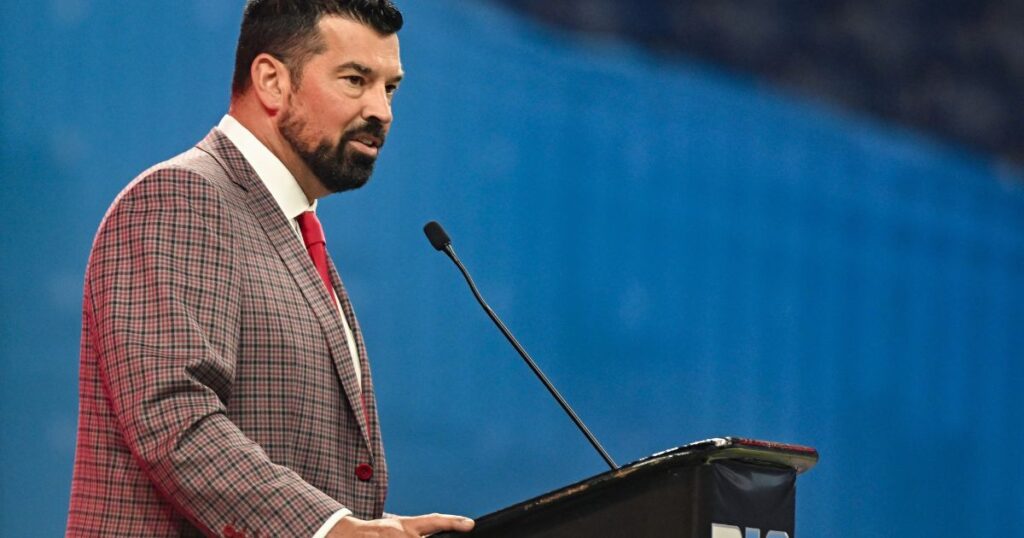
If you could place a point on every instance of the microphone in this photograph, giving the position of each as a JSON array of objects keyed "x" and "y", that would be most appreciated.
[
  {"x": 440, "y": 241},
  {"x": 435, "y": 233}
]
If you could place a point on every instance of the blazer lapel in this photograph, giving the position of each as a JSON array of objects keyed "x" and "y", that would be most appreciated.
[
  {"x": 369, "y": 401},
  {"x": 296, "y": 258}
]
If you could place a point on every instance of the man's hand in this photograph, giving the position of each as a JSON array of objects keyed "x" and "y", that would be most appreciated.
[{"x": 399, "y": 527}]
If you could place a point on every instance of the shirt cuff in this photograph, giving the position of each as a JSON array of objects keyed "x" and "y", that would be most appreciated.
[{"x": 331, "y": 522}]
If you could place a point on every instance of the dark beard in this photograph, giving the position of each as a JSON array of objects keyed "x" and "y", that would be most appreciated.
[{"x": 338, "y": 167}]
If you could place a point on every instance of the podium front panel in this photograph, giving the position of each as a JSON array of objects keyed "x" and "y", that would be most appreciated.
[{"x": 679, "y": 502}]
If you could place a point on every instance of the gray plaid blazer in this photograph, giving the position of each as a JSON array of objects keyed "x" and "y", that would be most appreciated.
[{"x": 217, "y": 394}]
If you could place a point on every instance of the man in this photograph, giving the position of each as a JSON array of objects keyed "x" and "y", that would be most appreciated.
[{"x": 224, "y": 386}]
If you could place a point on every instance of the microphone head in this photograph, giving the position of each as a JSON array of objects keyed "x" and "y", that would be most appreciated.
[{"x": 436, "y": 234}]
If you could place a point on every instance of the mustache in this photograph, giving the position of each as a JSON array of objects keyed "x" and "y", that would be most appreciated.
[{"x": 373, "y": 128}]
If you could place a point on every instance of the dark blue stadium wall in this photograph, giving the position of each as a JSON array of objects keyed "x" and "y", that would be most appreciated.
[{"x": 688, "y": 254}]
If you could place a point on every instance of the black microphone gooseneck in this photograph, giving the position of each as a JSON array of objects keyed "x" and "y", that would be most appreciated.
[{"x": 440, "y": 241}]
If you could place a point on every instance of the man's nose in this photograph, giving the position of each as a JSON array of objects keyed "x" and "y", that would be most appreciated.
[{"x": 377, "y": 105}]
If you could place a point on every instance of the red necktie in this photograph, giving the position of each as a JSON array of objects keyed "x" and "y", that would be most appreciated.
[{"x": 316, "y": 244}]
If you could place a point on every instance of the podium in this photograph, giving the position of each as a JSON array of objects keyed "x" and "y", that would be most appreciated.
[{"x": 718, "y": 488}]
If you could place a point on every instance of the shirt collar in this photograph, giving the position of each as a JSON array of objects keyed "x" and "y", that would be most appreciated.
[{"x": 279, "y": 181}]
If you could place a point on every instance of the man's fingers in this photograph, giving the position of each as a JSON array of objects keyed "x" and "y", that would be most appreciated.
[{"x": 431, "y": 523}]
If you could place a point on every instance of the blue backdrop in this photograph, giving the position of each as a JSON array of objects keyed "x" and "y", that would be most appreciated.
[{"x": 686, "y": 252}]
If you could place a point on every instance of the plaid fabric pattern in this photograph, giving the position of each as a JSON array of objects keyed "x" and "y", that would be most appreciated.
[{"x": 217, "y": 394}]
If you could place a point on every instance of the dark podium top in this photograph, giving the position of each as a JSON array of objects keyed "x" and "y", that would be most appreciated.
[{"x": 709, "y": 489}]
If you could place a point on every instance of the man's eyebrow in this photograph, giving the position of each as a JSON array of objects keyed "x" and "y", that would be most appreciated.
[
  {"x": 356, "y": 66},
  {"x": 366, "y": 71}
]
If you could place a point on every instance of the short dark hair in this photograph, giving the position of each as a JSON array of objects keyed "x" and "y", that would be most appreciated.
[{"x": 287, "y": 30}]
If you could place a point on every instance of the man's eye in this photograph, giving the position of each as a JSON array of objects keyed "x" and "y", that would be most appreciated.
[
  {"x": 391, "y": 89},
  {"x": 355, "y": 80}
]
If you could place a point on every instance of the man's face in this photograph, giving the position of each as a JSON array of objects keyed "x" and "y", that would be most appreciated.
[{"x": 340, "y": 114}]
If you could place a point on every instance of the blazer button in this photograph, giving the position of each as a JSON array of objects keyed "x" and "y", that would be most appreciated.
[{"x": 364, "y": 472}]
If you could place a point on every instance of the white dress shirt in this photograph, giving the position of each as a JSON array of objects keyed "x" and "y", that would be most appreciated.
[{"x": 293, "y": 202}]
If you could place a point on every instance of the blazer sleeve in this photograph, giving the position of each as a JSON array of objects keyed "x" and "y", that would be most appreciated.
[{"x": 165, "y": 311}]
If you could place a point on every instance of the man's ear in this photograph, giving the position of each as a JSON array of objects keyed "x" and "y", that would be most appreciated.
[{"x": 271, "y": 81}]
